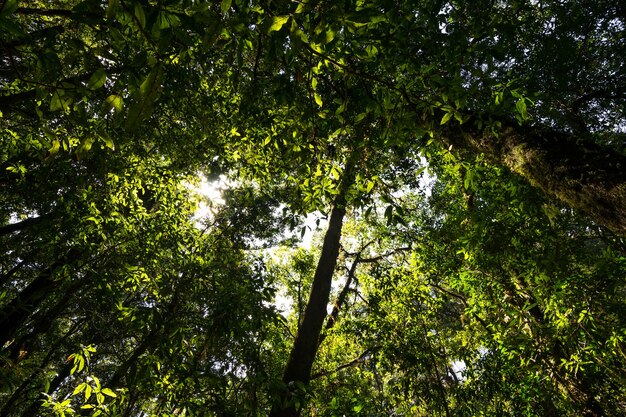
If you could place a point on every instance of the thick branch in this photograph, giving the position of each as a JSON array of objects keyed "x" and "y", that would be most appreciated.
[
  {"x": 585, "y": 176},
  {"x": 616, "y": 94},
  {"x": 384, "y": 255},
  {"x": 580, "y": 173},
  {"x": 44, "y": 12}
]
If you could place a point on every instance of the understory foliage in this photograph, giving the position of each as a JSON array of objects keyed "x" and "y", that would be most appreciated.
[{"x": 422, "y": 208}]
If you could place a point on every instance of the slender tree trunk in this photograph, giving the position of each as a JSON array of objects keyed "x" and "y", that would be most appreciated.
[
  {"x": 580, "y": 173},
  {"x": 304, "y": 350},
  {"x": 42, "y": 321},
  {"x": 24, "y": 224},
  {"x": 334, "y": 315},
  {"x": 4, "y": 279},
  {"x": 578, "y": 387},
  {"x": 27, "y": 385},
  {"x": 61, "y": 376},
  {"x": 22, "y": 306},
  {"x": 34, "y": 383}
]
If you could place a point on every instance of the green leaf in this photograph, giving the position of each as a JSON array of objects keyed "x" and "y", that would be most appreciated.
[
  {"x": 167, "y": 20},
  {"x": 278, "y": 22},
  {"x": 149, "y": 91},
  {"x": 56, "y": 103},
  {"x": 521, "y": 108},
  {"x": 98, "y": 79},
  {"x": 150, "y": 82},
  {"x": 370, "y": 186},
  {"x": 9, "y": 7},
  {"x": 114, "y": 102},
  {"x": 318, "y": 99},
  {"x": 112, "y": 8},
  {"x": 109, "y": 392},
  {"x": 225, "y": 6},
  {"x": 96, "y": 381},
  {"x": 84, "y": 147},
  {"x": 446, "y": 117},
  {"x": 56, "y": 145},
  {"x": 329, "y": 35},
  {"x": 140, "y": 15},
  {"x": 389, "y": 214},
  {"x": 468, "y": 183},
  {"x": 108, "y": 142},
  {"x": 371, "y": 51},
  {"x": 79, "y": 388}
]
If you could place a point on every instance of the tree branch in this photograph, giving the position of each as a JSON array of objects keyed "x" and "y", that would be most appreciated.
[
  {"x": 352, "y": 363},
  {"x": 618, "y": 93},
  {"x": 45, "y": 12}
]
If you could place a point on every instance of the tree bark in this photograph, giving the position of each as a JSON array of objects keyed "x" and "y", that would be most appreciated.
[
  {"x": 298, "y": 368},
  {"x": 578, "y": 172}
]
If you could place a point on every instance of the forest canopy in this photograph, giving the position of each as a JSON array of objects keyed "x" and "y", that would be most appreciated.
[{"x": 421, "y": 211}]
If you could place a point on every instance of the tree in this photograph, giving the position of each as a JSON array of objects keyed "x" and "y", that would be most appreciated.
[
  {"x": 109, "y": 108},
  {"x": 483, "y": 70}
]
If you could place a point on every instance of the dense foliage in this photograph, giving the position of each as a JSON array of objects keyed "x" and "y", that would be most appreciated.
[{"x": 458, "y": 167}]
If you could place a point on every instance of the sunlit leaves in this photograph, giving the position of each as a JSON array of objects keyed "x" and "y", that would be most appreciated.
[
  {"x": 60, "y": 101},
  {"x": 446, "y": 117},
  {"x": 113, "y": 102},
  {"x": 278, "y": 22},
  {"x": 318, "y": 99}
]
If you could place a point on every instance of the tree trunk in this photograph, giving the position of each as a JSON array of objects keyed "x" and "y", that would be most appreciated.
[
  {"x": 42, "y": 321},
  {"x": 13, "y": 315},
  {"x": 578, "y": 387},
  {"x": 580, "y": 173},
  {"x": 23, "y": 224},
  {"x": 304, "y": 350}
]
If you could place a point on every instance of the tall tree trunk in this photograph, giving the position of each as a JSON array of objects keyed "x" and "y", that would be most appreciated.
[
  {"x": 304, "y": 350},
  {"x": 580, "y": 173}
]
